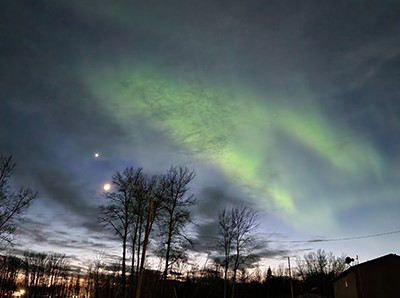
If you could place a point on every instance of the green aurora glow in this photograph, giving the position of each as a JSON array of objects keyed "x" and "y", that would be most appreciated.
[{"x": 235, "y": 129}]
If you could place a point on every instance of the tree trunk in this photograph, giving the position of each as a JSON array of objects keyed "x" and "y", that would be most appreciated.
[
  {"x": 225, "y": 280},
  {"x": 165, "y": 273},
  {"x": 233, "y": 283},
  {"x": 145, "y": 242},
  {"x": 123, "y": 275},
  {"x": 133, "y": 273},
  {"x": 140, "y": 223}
]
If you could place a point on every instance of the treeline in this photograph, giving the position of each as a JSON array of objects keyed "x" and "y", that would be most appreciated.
[{"x": 39, "y": 274}]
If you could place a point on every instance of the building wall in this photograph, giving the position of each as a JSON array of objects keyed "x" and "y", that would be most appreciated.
[
  {"x": 380, "y": 278},
  {"x": 346, "y": 287}
]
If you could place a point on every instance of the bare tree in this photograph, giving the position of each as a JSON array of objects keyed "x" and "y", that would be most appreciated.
[
  {"x": 320, "y": 263},
  {"x": 236, "y": 230},
  {"x": 98, "y": 265},
  {"x": 35, "y": 270},
  {"x": 175, "y": 215},
  {"x": 117, "y": 213},
  {"x": 13, "y": 204},
  {"x": 319, "y": 268},
  {"x": 144, "y": 194},
  {"x": 154, "y": 194},
  {"x": 225, "y": 242},
  {"x": 10, "y": 267},
  {"x": 56, "y": 264}
]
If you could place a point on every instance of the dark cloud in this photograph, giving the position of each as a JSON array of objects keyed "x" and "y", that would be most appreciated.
[
  {"x": 213, "y": 200},
  {"x": 34, "y": 234},
  {"x": 345, "y": 54}
]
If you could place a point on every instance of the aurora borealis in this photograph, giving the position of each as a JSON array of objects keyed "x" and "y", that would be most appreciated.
[
  {"x": 239, "y": 133},
  {"x": 290, "y": 107}
]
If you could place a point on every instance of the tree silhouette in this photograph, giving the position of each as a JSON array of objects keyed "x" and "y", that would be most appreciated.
[
  {"x": 317, "y": 269},
  {"x": 13, "y": 204},
  {"x": 153, "y": 196},
  {"x": 117, "y": 213},
  {"x": 236, "y": 230},
  {"x": 175, "y": 215},
  {"x": 10, "y": 267}
]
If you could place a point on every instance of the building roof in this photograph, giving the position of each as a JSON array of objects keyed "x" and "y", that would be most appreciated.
[{"x": 385, "y": 258}]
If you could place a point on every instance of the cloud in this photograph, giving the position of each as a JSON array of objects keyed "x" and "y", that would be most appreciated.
[
  {"x": 290, "y": 107},
  {"x": 34, "y": 234}
]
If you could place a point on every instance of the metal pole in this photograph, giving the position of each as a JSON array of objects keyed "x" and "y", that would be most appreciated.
[{"x": 290, "y": 277}]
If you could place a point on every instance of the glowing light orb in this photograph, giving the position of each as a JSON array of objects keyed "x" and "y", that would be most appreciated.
[
  {"x": 96, "y": 155},
  {"x": 107, "y": 186}
]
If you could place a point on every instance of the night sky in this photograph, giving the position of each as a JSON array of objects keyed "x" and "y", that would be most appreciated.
[{"x": 292, "y": 107}]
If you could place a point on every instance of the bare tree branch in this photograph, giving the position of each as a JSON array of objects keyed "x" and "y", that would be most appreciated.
[
  {"x": 12, "y": 204},
  {"x": 236, "y": 229}
]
